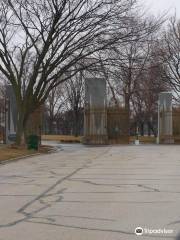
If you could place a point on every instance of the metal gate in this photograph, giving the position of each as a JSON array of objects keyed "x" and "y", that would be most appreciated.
[
  {"x": 118, "y": 125},
  {"x": 176, "y": 125}
]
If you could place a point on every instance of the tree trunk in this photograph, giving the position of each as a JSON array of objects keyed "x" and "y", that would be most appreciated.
[
  {"x": 21, "y": 129},
  {"x": 127, "y": 107},
  {"x": 76, "y": 123},
  {"x": 142, "y": 128},
  {"x": 51, "y": 126},
  {"x": 149, "y": 129}
]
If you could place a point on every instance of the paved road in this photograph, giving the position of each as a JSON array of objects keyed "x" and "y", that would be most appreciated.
[{"x": 95, "y": 193}]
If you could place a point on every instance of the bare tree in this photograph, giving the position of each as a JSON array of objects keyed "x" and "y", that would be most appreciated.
[
  {"x": 128, "y": 60},
  {"x": 145, "y": 97},
  {"x": 169, "y": 51},
  {"x": 65, "y": 104},
  {"x": 54, "y": 105},
  {"x": 74, "y": 89},
  {"x": 127, "y": 71},
  {"x": 41, "y": 40}
]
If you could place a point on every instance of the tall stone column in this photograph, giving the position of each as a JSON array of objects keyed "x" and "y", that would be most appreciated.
[
  {"x": 165, "y": 118},
  {"x": 11, "y": 115},
  {"x": 95, "y": 113}
]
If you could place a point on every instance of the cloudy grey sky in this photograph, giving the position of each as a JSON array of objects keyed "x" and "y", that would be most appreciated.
[{"x": 159, "y": 6}]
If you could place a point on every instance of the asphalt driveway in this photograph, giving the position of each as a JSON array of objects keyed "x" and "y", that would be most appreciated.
[{"x": 92, "y": 193}]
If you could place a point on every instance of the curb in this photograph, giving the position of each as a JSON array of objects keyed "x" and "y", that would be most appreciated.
[{"x": 3, "y": 162}]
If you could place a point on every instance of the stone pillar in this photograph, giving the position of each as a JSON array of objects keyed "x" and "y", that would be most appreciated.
[
  {"x": 95, "y": 114},
  {"x": 11, "y": 115},
  {"x": 165, "y": 118}
]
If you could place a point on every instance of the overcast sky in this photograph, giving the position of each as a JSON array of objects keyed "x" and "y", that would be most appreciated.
[{"x": 159, "y": 6}]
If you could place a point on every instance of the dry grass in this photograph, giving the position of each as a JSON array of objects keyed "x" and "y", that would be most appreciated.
[
  {"x": 61, "y": 138},
  {"x": 144, "y": 139},
  {"x": 12, "y": 152},
  {"x": 68, "y": 139},
  {"x": 7, "y": 153}
]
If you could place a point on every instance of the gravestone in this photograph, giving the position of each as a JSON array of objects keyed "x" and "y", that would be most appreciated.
[
  {"x": 95, "y": 114},
  {"x": 165, "y": 118}
]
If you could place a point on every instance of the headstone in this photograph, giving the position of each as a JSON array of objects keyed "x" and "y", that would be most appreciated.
[
  {"x": 165, "y": 118},
  {"x": 95, "y": 118}
]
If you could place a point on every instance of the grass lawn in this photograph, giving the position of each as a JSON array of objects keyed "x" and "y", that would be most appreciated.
[
  {"x": 71, "y": 139},
  {"x": 7, "y": 153},
  {"x": 61, "y": 138},
  {"x": 144, "y": 139}
]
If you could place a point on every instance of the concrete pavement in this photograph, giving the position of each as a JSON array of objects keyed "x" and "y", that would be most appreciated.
[{"x": 92, "y": 193}]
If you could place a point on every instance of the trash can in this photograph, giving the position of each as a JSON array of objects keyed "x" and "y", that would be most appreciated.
[{"x": 33, "y": 142}]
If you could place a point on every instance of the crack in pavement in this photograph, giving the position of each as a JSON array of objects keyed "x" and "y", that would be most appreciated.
[
  {"x": 33, "y": 210},
  {"x": 28, "y": 216},
  {"x": 23, "y": 208},
  {"x": 115, "y": 185}
]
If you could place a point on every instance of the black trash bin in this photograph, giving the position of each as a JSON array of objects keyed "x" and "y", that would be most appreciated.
[{"x": 33, "y": 142}]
